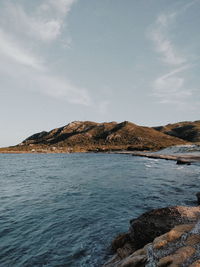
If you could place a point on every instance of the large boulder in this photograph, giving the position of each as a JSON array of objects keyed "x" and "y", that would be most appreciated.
[
  {"x": 167, "y": 250},
  {"x": 159, "y": 221},
  {"x": 131, "y": 248}
]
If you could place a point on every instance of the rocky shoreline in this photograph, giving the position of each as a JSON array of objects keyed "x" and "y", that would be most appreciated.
[
  {"x": 161, "y": 237},
  {"x": 180, "y": 159}
]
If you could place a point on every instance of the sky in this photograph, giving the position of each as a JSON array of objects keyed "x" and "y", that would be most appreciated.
[{"x": 97, "y": 60}]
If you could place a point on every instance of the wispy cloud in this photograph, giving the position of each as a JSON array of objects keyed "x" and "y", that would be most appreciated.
[
  {"x": 9, "y": 48},
  {"x": 170, "y": 88},
  {"x": 163, "y": 44},
  {"x": 61, "y": 88},
  {"x": 19, "y": 30},
  {"x": 44, "y": 23},
  {"x": 60, "y": 6}
]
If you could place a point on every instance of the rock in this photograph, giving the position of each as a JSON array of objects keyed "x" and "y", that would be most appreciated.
[
  {"x": 181, "y": 248},
  {"x": 114, "y": 261},
  {"x": 154, "y": 223},
  {"x": 198, "y": 197},
  {"x": 193, "y": 240},
  {"x": 162, "y": 227},
  {"x": 125, "y": 251},
  {"x": 122, "y": 245},
  {"x": 183, "y": 159},
  {"x": 164, "y": 262},
  {"x": 183, "y": 162},
  {"x": 120, "y": 241},
  {"x": 178, "y": 258},
  {"x": 195, "y": 264},
  {"x": 172, "y": 235},
  {"x": 136, "y": 261}
]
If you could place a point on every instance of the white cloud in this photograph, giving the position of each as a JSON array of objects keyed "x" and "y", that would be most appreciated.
[
  {"x": 49, "y": 26},
  {"x": 10, "y": 49},
  {"x": 163, "y": 44},
  {"x": 188, "y": 5},
  {"x": 170, "y": 88},
  {"x": 18, "y": 31},
  {"x": 60, "y": 88},
  {"x": 176, "y": 71},
  {"x": 44, "y": 23},
  {"x": 46, "y": 30},
  {"x": 165, "y": 47},
  {"x": 24, "y": 34},
  {"x": 61, "y": 6}
]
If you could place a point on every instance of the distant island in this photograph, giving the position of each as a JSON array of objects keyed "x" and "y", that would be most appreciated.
[{"x": 87, "y": 136}]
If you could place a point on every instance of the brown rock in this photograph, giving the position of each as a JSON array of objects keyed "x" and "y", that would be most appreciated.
[
  {"x": 125, "y": 251},
  {"x": 175, "y": 260},
  {"x": 120, "y": 241},
  {"x": 164, "y": 262},
  {"x": 162, "y": 226},
  {"x": 193, "y": 240},
  {"x": 172, "y": 235},
  {"x": 195, "y": 264},
  {"x": 136, "y": 261},
  {"x": 152, "y": 224},
  {"x": 114, "y": 261}
]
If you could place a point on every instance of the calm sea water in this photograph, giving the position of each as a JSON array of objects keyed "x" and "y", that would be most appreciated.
[{"x": 65, "y": 209}]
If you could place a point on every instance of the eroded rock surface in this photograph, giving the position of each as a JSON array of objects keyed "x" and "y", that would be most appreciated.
[
  {"x": 159, "y": 221},
  {"x": 162, "y": 237}
]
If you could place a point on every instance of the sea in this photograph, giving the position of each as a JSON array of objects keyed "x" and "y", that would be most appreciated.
[{"x": 65, "y": 209}]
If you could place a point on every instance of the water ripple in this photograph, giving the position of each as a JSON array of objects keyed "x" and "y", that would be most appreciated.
[{"x": 64, "y": 210}]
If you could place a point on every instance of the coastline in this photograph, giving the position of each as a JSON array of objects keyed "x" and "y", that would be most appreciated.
[{"x": 179, "y": 158}]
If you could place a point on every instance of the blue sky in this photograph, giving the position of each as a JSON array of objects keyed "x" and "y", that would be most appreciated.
[{"x": 99, "y": 60}]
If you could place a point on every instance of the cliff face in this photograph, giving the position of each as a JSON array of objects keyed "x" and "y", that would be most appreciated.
[
  {"x": 189, "y": 131},
  {"x": 90, "y": 136}
]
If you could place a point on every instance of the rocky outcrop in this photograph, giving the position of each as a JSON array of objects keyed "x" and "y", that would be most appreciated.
[
  {"x": 198, "y": 198},
  {"x": 156, "y": 222},
  {"x": 180, "y": 159},
  {"x": 161, "y": 237},
  {"x": 189, "y": 131},
  {"x": 90, "y": 136}
]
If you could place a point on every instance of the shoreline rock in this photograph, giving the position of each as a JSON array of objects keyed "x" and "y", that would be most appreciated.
[
  {"x": 180, "y": 159},
  {"x": 157, "y": 236},
  {"x": 198, "y": 198}
]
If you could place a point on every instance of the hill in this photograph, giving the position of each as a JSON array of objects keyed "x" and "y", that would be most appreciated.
[
  {"x": 80, "y": 136},
  {"x": 187, "y": 130}
]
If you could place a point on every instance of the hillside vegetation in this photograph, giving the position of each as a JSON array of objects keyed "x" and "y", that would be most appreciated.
[
  {"x": 85, "y": 136},
  {"x": 187, "y": 130}
]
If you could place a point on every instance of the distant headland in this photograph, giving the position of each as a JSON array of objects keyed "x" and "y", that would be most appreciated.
[{"x": 87, "y": 136}]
